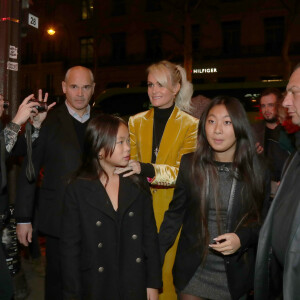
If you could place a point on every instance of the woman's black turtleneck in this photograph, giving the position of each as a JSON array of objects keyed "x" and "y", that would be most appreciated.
[{"x": 161, "y": 117}]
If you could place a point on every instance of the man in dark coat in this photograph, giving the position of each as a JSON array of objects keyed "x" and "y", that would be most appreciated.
[
  {"x": 271, "y": 139},
  {"x": 8, "y": 139},
  {"x": 59, "y": 153},
  {"x": 277, "y": 271}
]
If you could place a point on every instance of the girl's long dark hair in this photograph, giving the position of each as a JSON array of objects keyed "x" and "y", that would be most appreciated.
[
  {"x": 245, "y": 164},
  {"x": 101, "y": 132}
]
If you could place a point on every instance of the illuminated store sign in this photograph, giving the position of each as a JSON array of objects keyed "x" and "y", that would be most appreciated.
[{"x": 207, "y": 70}]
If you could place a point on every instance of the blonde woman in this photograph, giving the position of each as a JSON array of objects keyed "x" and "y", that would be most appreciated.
[{"x": 158, "y": 138}]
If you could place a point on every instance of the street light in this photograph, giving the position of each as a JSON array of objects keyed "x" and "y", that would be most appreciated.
[
  {"x": 51, "y": 31},
  {"x": 51, "y": 46}
]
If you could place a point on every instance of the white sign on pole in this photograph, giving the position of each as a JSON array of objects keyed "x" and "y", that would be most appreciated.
[
  {"x": 13, "y": 66},
  {"x": 13, "y": 52},
  {"x": 33, "y": 20}
]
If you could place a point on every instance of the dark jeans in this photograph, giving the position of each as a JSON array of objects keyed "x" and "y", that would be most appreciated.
[
  {"x": 53, "y": 281},
  {"x": 34, "y": 246}
]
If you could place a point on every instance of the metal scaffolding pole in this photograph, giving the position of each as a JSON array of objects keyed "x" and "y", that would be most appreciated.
[
  {"x": 9, "y": 66},
  {"x": 9, "y": 52}
]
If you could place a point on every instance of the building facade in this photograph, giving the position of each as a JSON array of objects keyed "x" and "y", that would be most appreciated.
[{"x": 225, "y": 41}]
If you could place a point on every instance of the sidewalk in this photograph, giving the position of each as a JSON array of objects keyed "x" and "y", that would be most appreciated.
[{"x": 35, "y": 282}]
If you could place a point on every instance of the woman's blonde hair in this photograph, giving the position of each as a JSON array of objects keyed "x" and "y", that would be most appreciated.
[{"x": 165, "y": 73}]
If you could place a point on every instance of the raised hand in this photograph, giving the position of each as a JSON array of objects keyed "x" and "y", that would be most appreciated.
[{"x": 38, "y": 118}]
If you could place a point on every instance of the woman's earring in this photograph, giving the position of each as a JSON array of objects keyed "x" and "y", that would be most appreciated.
[{"x": 100, "y": 156}]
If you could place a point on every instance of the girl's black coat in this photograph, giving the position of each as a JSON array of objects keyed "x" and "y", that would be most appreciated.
[
  {"x": 106, "y": 255},
  {"x": 239, "y": 266}
]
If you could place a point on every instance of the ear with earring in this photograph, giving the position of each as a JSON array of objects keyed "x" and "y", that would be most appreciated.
[
  {"x": 177, "y": 89},
  {"x": 175, "y": 94},
  {"x": 100, "y": 156}
]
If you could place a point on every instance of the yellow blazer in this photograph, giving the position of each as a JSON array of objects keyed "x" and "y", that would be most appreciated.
[{"x": 179, "y": 137}]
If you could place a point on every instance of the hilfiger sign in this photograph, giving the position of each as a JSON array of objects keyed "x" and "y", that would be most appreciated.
[{"x": 207, "y": 70}]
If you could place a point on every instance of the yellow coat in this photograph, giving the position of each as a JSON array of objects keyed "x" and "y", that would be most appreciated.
[{"x": 179, "y": 137}]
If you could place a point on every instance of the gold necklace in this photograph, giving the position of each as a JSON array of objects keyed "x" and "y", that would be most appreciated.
[{"x": 156, "y": 149}]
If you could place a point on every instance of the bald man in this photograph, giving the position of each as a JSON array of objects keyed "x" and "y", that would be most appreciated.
[{"x": 59, "y": 153}]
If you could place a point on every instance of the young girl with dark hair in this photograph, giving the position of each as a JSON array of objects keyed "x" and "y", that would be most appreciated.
[
  {"x": 109, "y": 244},
  {"x": 217, "y": 201}
]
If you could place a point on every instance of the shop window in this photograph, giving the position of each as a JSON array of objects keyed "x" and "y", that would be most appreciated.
[
  {"x": 118, "y": 7},
  {"x": 153, "y": 45},
  {"x": 118, "y": 47},
  {"x": 231, "y": 38},
  {"x": 86, "y": 50},
  {"x": 196, "y": 37},
  {"x": 153, "y": 5},
  {"x": 87, "y": 7},
  {"x": 274, "y": 35}
]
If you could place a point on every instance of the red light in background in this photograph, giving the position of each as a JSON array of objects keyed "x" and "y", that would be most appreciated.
[{"x": 9, "y": 19}]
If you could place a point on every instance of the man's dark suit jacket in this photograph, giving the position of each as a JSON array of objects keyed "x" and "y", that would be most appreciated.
[
  {"x": 268, "y": 276},
  {"x": 259, "y": 130},
  {"x": 58, "y": 152},
  {"x": 277, "y": 152}
]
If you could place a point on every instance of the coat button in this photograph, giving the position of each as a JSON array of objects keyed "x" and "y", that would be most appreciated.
[
  {"x": 131, "y": 214},
  {"x": 100, "y": 245},
  {"x": 98, "y": 223},
  {"x": 138, "y": 260},
  {"x": 101, "y": 269},
  {"x": 134, "y": 237}
]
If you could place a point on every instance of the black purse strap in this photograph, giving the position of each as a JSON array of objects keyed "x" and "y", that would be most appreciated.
[{"x": 30, "y": 174}]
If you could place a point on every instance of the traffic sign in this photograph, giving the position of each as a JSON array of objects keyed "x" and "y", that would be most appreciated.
[{"x": 33, "y": 20}]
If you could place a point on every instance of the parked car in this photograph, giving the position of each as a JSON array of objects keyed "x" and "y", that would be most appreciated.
[
  {"x": 123, "y": 102},
  {"x": 126, "y": 102}
]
